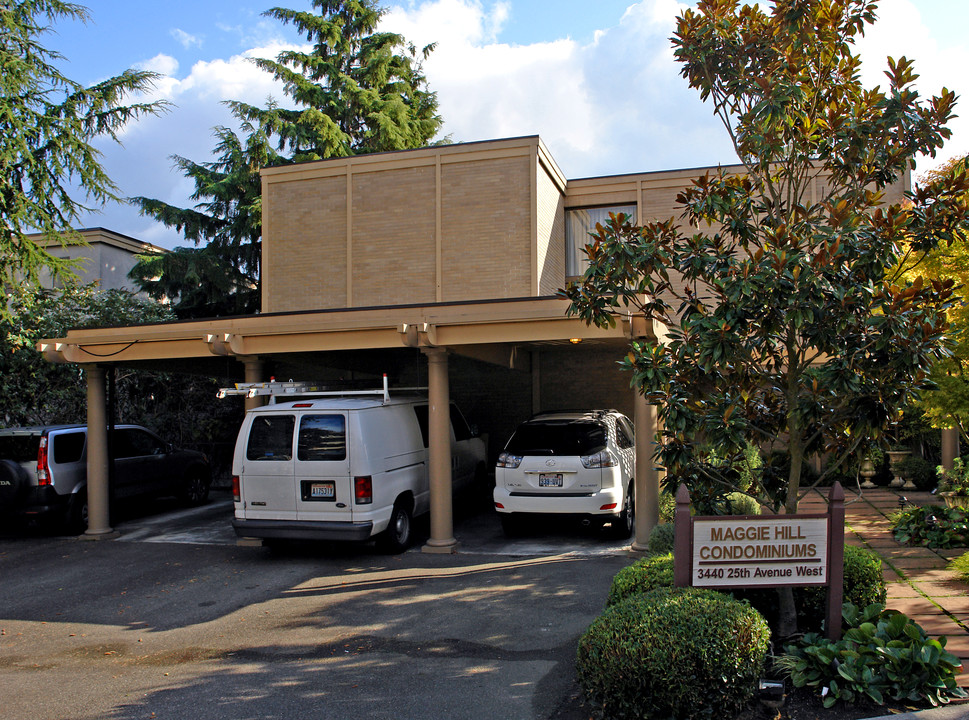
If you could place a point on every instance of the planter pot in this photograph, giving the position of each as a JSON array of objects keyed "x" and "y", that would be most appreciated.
[
  {"x": 895, "y": 458},
  {"x": 955, "y": 501}
]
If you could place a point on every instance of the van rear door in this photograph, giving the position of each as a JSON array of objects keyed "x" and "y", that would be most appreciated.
[
  {"x": 267, "y": 486},
  {"x": 324, "y": 489}
]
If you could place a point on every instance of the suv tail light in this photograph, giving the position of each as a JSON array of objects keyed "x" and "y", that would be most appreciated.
[
  {"x": 236, "y": 490},
  {"x": 602, "y": 459},
  {"x": 363, "y": 490},
  {"x": 43, "y": 469},
  {"x": 507, "y": 460}
]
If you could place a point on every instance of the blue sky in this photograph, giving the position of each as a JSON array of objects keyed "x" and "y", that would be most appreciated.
[{"x": 595, "y": 79}]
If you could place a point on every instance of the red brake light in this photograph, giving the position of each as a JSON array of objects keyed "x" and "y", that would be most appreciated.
[
  {"x": 610, "y": 506},
  {"x": 43, "y": 469},
  {"x": 363, "y": 490},
  {"x": 236, "y": 492}
]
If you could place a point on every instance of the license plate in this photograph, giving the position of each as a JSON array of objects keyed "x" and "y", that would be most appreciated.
[
  {"x": 550, "y": 480},
  {"x": 322, "y": 490}
]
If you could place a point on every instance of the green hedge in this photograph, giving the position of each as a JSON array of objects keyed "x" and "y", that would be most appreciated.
[
  {"x": 682, "y": 653},
  {"x": 655, "y": 571},
  {"x": 863, "y": 586}
]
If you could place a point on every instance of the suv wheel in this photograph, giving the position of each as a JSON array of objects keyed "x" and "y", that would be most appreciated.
[
  {"x": 13, "y": 480},
  {"x": 397, "y": 537},
  {"x": 77, "y": 513},
  {"x": 196, "y": 488},
  {"x": 511, "y": 525},
  {"x": 625, "y": 521}
]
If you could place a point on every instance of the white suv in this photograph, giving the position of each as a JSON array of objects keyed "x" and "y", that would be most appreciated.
[{"x": 569, "y": 463}]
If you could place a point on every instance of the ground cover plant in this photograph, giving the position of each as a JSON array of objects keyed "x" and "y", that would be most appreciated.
[
  {"x": 932, "y": 526},
  {"x": 884, "y": 655}
]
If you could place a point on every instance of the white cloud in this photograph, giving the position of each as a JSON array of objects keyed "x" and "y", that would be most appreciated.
[
  {"x": 184, "y": 39},
  {"x": 615, "y": 105}
]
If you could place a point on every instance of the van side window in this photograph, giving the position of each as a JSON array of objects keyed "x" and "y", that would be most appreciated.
[
  {"x": 271, "y": 438},
  {"x": 322, "y": 437},
  {"x": 421, "y": 412},
  {"x": 68, "y": 447},
  {"x": 460, "y": 425}
]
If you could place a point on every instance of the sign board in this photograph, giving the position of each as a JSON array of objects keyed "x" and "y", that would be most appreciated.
[
  {"x": 764, "y": 550},
  {"x": 753, "y": 551}
]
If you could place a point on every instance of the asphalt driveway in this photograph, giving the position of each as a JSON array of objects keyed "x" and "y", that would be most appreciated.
[{"x": 191, "y": 625}]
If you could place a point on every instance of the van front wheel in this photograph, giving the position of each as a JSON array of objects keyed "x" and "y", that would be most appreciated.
[{"x": 397, "y": 537}]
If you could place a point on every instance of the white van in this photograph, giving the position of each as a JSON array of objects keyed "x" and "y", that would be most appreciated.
[{"x": 342, "y": 468}]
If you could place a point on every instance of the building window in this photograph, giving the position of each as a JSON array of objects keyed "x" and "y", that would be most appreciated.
[{"x": 579, "y": 222}]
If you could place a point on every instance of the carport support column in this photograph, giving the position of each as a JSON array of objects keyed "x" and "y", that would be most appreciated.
[
  {"x": 439, "y": 453},
  {"x": 647, "y": 477},
  {"x": 97, "y": 454},
  {"x": 950, "y": 447},
  {"x": 254, "y": 373}
]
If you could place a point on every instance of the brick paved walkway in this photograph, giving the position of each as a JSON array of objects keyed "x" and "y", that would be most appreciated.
[{"x": 916, "y": 578}]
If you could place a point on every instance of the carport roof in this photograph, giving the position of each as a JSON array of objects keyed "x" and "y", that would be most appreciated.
[{"x": 488, "y": 330}]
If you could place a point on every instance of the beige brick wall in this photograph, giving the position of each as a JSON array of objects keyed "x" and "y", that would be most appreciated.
[
  {"x": 551, "y": 235},
  {"x": 584, "y": 377},
  {"x": 394, "y": 245},
  {"x": 486, "y": 229},
  {"x": 308, "y": 263}
]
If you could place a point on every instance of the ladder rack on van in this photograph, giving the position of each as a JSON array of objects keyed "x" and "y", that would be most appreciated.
[{"x": 303, "y": 389}]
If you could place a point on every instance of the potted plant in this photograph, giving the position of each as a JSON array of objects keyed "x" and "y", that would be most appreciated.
[{"x": 954, "y": 484}]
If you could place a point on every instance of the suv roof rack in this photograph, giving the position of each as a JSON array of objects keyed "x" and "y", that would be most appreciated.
[
  {"x": 598, "y": 413},
  {"x": 291, "y": 389}
]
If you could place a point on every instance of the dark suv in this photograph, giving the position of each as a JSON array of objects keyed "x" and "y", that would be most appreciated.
[{"x": 43, "y": 470}]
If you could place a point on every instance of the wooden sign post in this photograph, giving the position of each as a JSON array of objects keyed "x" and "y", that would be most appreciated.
[{"x": 751, "y": 551}]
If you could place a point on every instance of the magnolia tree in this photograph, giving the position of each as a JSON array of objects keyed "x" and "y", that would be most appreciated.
[{"x": 792, "y": 323}]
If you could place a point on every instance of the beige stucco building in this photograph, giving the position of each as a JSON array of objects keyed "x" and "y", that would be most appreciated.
[
  {"x": 438, "y": 266},
  {"x": 105, "y": 257}
]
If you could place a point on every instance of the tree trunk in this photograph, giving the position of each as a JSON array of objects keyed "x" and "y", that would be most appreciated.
[{"x": 786, "y": 613}]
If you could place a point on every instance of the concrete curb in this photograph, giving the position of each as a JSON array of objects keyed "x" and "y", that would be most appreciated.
[{"x": 949, "y": 712}]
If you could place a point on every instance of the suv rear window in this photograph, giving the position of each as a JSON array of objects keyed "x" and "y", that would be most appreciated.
[
  {"x": 322, "y": 437},
  {"x": 19, "y": 448},
  {"x": 550, "y": 437},
  {"x": 271, "y": 438}
]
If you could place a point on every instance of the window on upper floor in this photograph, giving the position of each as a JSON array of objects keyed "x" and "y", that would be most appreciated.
[{"x": 579, "y": 222}]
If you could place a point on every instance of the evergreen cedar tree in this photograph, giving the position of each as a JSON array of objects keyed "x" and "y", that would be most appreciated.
[
  {"x": 795, "y": 320},
  {"x": 355, "y": 91},
  {"x": 49, "y": 171}
]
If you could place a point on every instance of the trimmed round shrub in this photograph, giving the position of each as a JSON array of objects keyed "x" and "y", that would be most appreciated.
[
  {"x": 672, "y": 653},
  {"x": 642, "y": 576},
  {"x": 740, "y": 504},
  {"x": 661, "y": 539},
  {"x": 922, "y": 473}
]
